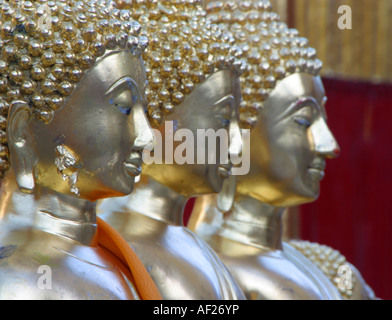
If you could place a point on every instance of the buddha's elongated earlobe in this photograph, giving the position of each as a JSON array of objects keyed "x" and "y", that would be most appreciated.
[
  {"x": 19, "y": 143},
  {"x": 67, "y": 166},
  {"x": 226, "y": 196}
]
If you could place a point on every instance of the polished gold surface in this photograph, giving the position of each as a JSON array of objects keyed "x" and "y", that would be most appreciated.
[
  {"x": 69, "y": 70},
  {"x": 212, "y": 105},
  {"x": 64, "y": 152},
  {"x": 293, "y": 119},
  {"x": 249, "y": 243},
  {"x": 184, "y": 50},
  {"x": 42, "y": 66},
  {"x": 182, "y": 265},
  {"x": 288, "y": 151},
  {"x": 249, "y": 238},
  {"x": 273, "y": 51}
]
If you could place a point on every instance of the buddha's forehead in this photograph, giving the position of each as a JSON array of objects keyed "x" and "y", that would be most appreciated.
[
  {"x": 112, "y": 76},
  {"x": 295, "y": 88},
  {"x": 222, "y": 84},
  {"x": 302, "y": 84},
  {"x": 111, "y": 68}
]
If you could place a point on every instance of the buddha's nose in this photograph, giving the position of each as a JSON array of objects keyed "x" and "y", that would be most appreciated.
[
  {"x": 324, "y": 141},
  {"x": 143, "y": 132},
  {"x": 235, "y": 141}
]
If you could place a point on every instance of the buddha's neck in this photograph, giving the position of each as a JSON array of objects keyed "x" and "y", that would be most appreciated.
[
  {"x": 47, "y": 210},
  {"x": 157, "y": 201},
  {"x": 255, "y": 223}
]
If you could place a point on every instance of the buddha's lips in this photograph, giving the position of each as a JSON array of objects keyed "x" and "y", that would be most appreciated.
[
  {"x": 318, "y": 164},
  {"x": 318, "y": 167},
  {"x": 133, "y": 169}
]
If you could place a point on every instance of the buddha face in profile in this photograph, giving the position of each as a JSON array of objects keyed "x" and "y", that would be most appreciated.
[
  {"x": 76, "y": 120},
  {"x": 284, "y": 103},
  {"x": 102, "y": 126},
  {"x": 211, "y": 108},
  {"x": 290, "y": 143},
  {"x": 193, "y": 71}
]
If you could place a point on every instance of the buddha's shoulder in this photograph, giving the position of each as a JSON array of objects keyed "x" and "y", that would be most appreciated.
[
  {"x": 178, "y": 258},
  {"x": 172, "y": 243},
  {"x": 48, "y": 267},
  {"x": 343, "y": 275}
]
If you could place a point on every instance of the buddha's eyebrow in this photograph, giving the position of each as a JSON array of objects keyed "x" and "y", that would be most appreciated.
[
  {"x": 300, "y": 103},
  {"x": 303, "y": 101},
  {"x": 224, "y": 100},
  {"x": 125, "y": 82},
  {"x": 320, "y": 108}
]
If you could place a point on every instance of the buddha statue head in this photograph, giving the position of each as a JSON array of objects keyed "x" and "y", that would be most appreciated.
[
  {"x": 72, "y": 97},
  {"x": 193, "y": 71},
  {"x": 283, "y": 103}
]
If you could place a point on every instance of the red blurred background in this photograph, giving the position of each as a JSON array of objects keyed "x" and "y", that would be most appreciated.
[{"x": 354, "y": 211}]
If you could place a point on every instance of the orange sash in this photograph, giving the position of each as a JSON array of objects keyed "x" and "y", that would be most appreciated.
[{"x": 111, "y": 240}]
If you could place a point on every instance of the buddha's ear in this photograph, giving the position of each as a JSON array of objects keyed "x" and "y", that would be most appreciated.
[{"x": 20, "y": 145}]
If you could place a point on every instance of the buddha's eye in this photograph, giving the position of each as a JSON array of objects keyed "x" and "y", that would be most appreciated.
[
  {"x": 303, "y": 121},
  {"x": 304, "y": 117},
  {"x": 123, "y": 109},
  {"x": 225, "y": 122}
]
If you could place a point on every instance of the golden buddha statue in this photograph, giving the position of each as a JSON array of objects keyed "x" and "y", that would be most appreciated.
[
  {"x": 68, "y": 71},
  {"x": 193, "y": 72},
  {"x": 284, "y": 103}
]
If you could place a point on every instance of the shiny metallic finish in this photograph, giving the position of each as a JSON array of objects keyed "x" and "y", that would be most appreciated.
[
  {"x": 50, "y": 226},
  {"x": 288, "y": 150},
  {"x": 33, "y": 236},
  {"x": 186, "y": 48},
  {"x": 181, "y": 264},
  {"x": 213, "y": 105},
  {"x": 272, "y": 50},
  {"x": 249, "y": 243},
  {"x": 105, "y": 150},
  {"x": 49, "y": 47},
  {"x": 290, "y": 144}
]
